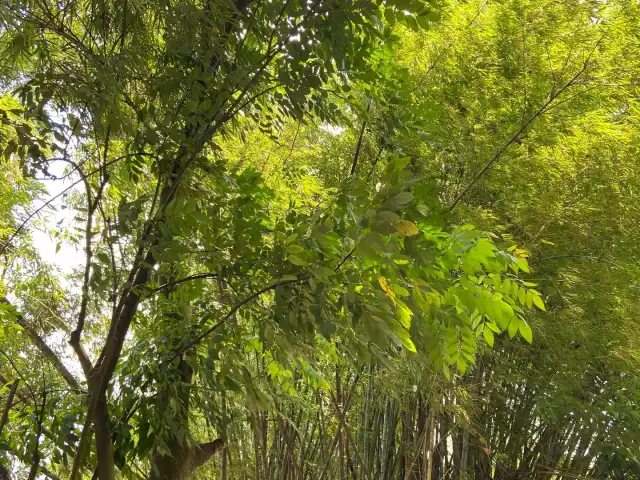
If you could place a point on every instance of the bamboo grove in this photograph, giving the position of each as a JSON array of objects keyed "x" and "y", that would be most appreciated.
[{"x": 319, "y": 239}]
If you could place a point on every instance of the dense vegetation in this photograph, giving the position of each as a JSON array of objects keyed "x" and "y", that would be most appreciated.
[{"x": 321, "y": 239}]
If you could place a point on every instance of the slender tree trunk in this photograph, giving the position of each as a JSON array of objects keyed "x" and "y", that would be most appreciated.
[
  {"x": 223, "y": 466},
  {"x": 464, "y": 454},
  {"x": 4, "y": 473},
  {"x": 35, "y": 457},
  {"x": 8, "y": 404}
]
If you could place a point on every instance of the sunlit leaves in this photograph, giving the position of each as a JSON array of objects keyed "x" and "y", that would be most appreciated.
[
  {"x": 407, "y": 228},
  {"x": 385, "y": 287},
  {"x": 488, "y": 336}
]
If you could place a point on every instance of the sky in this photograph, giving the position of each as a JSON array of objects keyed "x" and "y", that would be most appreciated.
[{"x": 66, "y": 259}]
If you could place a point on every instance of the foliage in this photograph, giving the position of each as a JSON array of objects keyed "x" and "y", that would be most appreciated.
[{"x": 275, "y": 269}]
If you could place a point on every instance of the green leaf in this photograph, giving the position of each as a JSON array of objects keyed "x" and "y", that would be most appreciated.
[
  {"x": 537, "y": 301},
  {"x": 403, "y": 314},
  {"x": 10, "y": 148},
  {"x": 522, "y": 296},
  {"x": 525, "y": 331},
  {"x": 513, "y": 327},
  {"x": 493, "y": 327},
  {"x": 403, "y": 198},
  {"x": 287, "y": 278},
  {"x": 409, "y": 345},
  {"x": 446, "y": 371},
  {"x": 322, "y": 273},
  {"x": 488, "y": 336},
  {"x": 389, "y": 15},
  {"x": 400, "y": 291},
  {"x": 529, "y": 299},
  {"x": 411, "y": 22},
  {"x": 295, "y": 249},
  {"x": 462, "y": 365},
  {"x": 523, "y": 264},
  {"x": 104, "y": 258},
  {"x": 387, "y": 216},
  {"x": 296, "y": 260}
]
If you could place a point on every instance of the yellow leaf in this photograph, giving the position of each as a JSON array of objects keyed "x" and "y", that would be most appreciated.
[
  {"x": 407, "y": 228},
  {"x": 385, "y": 286},
  {"x": 404, "y": 314}
]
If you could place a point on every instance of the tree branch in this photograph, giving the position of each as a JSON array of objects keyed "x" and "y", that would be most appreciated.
[
  {"x": 52, "y": 357},
  {"x": 35, "y": 456},
  {"x": 48, "y": 353},
  {"x": 197, "y": 276},
  {"x": 354, "y": 165},
  {"x": 55, "y": 197},
  {"x": 231, "y": 312},
  {"x": 92, "y": 207},
  {"x": 555, "y": 93},
  {"x": 204, "y": 451},
  {"x": 8, "y": 404},
  {"x": 356, "y": 155}
]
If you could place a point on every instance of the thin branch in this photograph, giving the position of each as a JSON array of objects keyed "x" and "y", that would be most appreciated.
[
  {"x": 74, "y": 341},
  {"x": 446, "y": 49},
  {"x": 254, "y": 97},
  {"x": 49, "y": 473},
  {"x": 341, "y": 424},
  {"x": 233, "y": 310},
  {"x": 375, "y": 161},
  {"x": 555, "y": 93},
  {"x": 345, "y": 259},
  {"x": 354, "y": 165},
  {"x": 83, "y": 356},
  {"x": 356, "y": 155},
  {"x": 33, "y": 396},
  {"x": 293, "y": 145},
  {"x": 197, "y": 276},
  {"x": 55, "y": 197},
  {"x": 35, "y": 456}
]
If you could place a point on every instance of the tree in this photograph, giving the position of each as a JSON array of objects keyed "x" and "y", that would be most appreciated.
[
  {"x": 276, "y": 273},
  {"x": 135, "y": 99}
]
